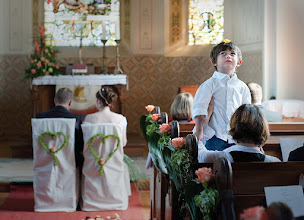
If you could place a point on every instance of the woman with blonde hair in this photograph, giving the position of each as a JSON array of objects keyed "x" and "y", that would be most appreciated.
[{"x": 181, "y": 108}]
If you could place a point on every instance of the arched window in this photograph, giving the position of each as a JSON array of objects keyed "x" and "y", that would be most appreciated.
[
  {"x": 82, "y": 23},
  {"x": 206, "y": 21}
]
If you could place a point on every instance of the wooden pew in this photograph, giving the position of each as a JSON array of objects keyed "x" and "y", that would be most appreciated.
[
  {"x": 277, "y": 130},
  {"x": 245, "y": 182},
  {"x": 191, "y": 89}
]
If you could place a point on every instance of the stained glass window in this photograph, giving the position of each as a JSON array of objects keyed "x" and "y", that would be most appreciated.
[
  {"x": 86, "y": 22},
  {"x": 206, "y": 21}
]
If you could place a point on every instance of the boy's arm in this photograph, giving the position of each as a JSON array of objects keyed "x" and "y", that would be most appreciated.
[
  {"x": 199, "y": 124},
  {"x": 246, "y": 96}
]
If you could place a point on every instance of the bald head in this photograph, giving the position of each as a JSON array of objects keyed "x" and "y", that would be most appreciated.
[{"x": 256, "y": 93}]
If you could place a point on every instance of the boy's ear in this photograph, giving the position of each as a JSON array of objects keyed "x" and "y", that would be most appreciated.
[
  {"x": 240, "y": 62},
  {"x": 213, "y": 62}
]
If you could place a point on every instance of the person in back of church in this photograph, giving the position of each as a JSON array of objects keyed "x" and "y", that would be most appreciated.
[
  {"x": 249, "y": 129},
  {"x": 256, "y": 99},
  {"x": 181, "y": 108},
  {"x": 104, "y": 98},
  {"x": 63, "y": 100}
]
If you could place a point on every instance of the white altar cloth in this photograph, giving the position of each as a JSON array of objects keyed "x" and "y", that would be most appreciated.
[{"x": 83, "y": 80}]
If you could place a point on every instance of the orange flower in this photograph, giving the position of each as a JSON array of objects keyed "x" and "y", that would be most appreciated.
[
  {"x": 177, "y": 142},
  {"x": 155, "y": 117},
  {"x": 150, "y": 108},
  {"x": 102, "y": 161},
  {"x": 57, "y": 67},
  {"x": 53, "y": 149},
  {"x": 254, "y": 213},
  {"x": 204, "y": 174},
  {"x": 33, "y": 71},
  {"x": 164, "y": 128}
]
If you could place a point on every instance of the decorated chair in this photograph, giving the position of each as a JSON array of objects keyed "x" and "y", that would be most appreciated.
[
  {"x": 54, "y": 165},
  {"x": 105, "y": 183}
]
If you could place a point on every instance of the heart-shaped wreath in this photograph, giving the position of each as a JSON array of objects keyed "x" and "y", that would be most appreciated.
[
  {"x": 101, "y": 161},
  {"x": 53, "y": 150}
]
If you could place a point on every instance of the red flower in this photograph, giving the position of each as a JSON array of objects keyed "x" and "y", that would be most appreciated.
[
  {"x": 204, "y": 174},
  {"x": 49, "y": 1},
  {"x": 254, "y": 213},
  {"x": 177, "y": 142},
  {"x": 47, "y": 73},
  {"x": 53, "y": 53},
  {"x": 150, "y": 108},
  {"x": 164, "y": 128},
  {"x": 155, "y": 117},
  {"x": 42, "y": 30}
]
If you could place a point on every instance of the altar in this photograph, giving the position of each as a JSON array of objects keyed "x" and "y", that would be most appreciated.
[{"x": 44, "y": 88}]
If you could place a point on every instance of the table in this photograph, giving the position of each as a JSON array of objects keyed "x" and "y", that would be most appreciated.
[
  {"x": 43, "y": 88},
  {"x": 289, "y": 108}
]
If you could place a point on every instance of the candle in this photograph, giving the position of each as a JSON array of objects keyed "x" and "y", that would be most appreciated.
[
  {"x": 117, "y": 31},
  {"x": 104, "y": 32}
]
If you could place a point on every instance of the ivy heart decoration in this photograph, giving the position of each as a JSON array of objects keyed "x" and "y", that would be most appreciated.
[
  {"x": 101, "y": 161},
  {"x": 52, "y": 152}
]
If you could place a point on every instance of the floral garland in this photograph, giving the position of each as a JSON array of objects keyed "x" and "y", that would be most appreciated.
[
  {"x": 177, "y": 161},
  {"x": 53, "y": 150},
  {"x": 103, "y": 161}
]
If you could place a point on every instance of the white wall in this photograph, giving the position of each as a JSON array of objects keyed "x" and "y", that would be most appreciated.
[
  {"x": 15, "y": 26},
  {"x": 290, "y": 49}
]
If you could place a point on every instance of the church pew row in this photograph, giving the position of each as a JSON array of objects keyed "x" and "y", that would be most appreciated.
[{"x": 277, "y": 130}]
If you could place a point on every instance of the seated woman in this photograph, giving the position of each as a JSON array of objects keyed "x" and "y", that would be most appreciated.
[
  {"x": 181, "y": 108},
  {"x": 249, "y": 129},
  {"x": 105, "y": 96}
]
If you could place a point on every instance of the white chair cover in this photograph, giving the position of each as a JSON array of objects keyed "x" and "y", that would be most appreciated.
[
  {"x": 109, "y": 191},
  {"x": 54, "y": 185}
]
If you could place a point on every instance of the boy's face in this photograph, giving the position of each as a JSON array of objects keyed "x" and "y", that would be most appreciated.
[{"x": 227, "y": 61}]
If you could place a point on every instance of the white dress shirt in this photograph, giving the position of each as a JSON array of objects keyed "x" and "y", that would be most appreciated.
[
  {"x": 228, "y": 94},
  {"x": 209, "y": 156}
]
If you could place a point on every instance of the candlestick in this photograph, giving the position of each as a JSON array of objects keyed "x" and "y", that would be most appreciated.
[
  {"x": 104, "y": 69},
  {"x": 117, "y": 31},
  {"x": 117, "y": 69},
  {"x": 104, "y": 32}
]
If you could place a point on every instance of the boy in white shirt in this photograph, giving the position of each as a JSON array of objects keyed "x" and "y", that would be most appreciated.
[{"x": 228, "y": 93}]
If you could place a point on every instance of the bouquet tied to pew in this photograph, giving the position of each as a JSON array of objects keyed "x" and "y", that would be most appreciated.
[{"x": 43, "y": 60}]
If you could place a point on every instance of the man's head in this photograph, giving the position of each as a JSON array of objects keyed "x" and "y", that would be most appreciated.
[
  {"x": 256, "y": 93},
  {"x": 64, "y": 97},
  {"x": 222, "y": 47}
]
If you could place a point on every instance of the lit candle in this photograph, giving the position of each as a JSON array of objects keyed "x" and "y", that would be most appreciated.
[
  {"x": 117, "y": 31},
  {"x": 104, "y": 32}
]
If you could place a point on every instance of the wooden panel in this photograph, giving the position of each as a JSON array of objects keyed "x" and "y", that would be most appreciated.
[{"x": 191, "y": 89}]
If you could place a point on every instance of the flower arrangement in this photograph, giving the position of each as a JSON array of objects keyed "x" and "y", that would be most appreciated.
[
  {"x": 43, "y": 60},
  {"x": 208, "y": 199},
  {"x": 254, "y": 213}
]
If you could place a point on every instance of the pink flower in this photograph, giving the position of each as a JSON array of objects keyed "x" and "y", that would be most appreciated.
[
  {"x": 177, "y": 142},
  {"x": 47, "y": 73},
  {"x": 150, "y": 108},
  {"x": 204, "y": 174},
  {"x": 155, "y": 117},
  {"x": 47, "y": 61},
  {"x": 32, "y": 61},
  {"x": 33, "y": 71},
  {"x": 164, "y": 128},
  {"x": 102, "y": 161},
  {"x": 42, "y": 59},
  {"x": 46, "y": 50},
  {"x": 254, "y": 213},
  {"x": 39, "y": 64},
  {"x": 53, "y": 149}
]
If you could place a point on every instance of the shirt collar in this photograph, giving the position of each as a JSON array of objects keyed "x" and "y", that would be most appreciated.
[
  {"x": 243, "y": 148},
  {"x": 220, "y": 75}
]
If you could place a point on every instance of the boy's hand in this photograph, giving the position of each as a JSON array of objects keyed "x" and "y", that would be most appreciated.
[{"x": 210, "y": 109}]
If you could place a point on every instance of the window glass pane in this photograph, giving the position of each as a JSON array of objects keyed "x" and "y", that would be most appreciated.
[
  {"x": 206, "y": 21},
  {"x": 89, "y": 20}
]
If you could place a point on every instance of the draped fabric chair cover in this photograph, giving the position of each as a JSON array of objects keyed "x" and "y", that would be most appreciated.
[
  {"x": 109, "y": 191},
  {"x": 54, "y": 185}
]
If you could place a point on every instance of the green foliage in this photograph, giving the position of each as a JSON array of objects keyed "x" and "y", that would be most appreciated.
[{"x": 164, "y": 141}]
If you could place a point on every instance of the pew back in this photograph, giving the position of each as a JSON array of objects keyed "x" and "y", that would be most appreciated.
[
  {"x": 191, "y": 89},
  {"x": 247, "y": 180}
]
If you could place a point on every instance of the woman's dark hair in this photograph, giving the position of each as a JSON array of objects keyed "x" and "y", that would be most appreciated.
[
  {"x": 248, "y": 125},
  {"x": 279, "y": 211},
  {"x": 106, "y": 95}
]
